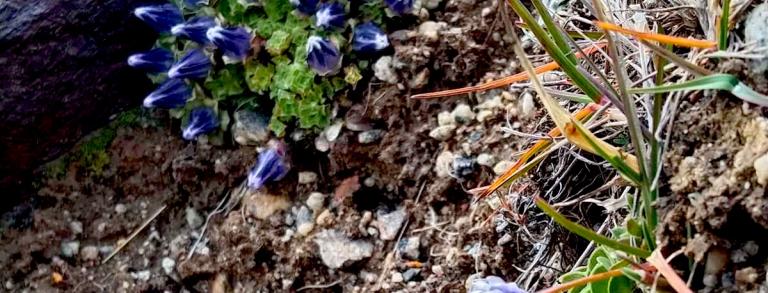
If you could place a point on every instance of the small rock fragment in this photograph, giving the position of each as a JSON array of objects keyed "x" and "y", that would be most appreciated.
[
  {"x": 526, "y": 105},
  {"x": 502, "y": 167},
  {"x": 389, "y": 223},
  {"x": 260, "y": 205},
  {"x": 463, "y": 113},
  {"x": 442, "y": 132},
  {"x": 397, "y": 277},
  {"x": 70, "y": 248},
  {"x": 486, "y": 159},
  {"x": 443, "y": 164},
  {"x": 325, "y": 218},
  {"x": 370, "y": 136},
  {"x": 333, "y": 131},
  {"x": 746, "y": 276},
  {"x": 142, "y": 275},
  {"x": 250, "y": 128},
  {"x": 120, "y": 209},
  {"x": 761, "y": 169},
  {"x": 315, "y": 201},
  {"x": 409, "y": 247},
  {"x": 76, "y": 227},
  {"x": 305, "y": 228},
  {"x": 89, "y": 253},
  {"x": 445, "y": 118},
  {"x": 483, "y": 115},
  {"x": 430, "y": 30},
  {"x": 410, "y": 274},
  {"x": 307, "y": 177},
  {"x": 168, "y": 265},
  {"x": 194, "y": 220},
  {"x": 384, "y": 70},
  {"x": 322, "y": 144},
  {"x": 504, "y": 239},
  {"x": 437, "y": 270},
  {"x": 336, "y": 250},
  {"x": 463, "y": 166}
]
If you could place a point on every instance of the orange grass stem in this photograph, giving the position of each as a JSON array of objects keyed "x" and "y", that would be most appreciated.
[
  {"x": 538, "y": 146},
  {"x": 504, "y": 81},
  {"x": 666, "y": 39},
  {"x": 583, "y": 281}
]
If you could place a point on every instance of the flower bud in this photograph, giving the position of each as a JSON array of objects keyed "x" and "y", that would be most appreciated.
[
  {"x": 160, "y": 17},
  {"x": 330, "y": 15},
  {"x": 195, "y": 29},
  {"x": 155, "y": 60},
  {"x": 323, "y": 56},
  {"x": 172, "y": 93},
  {"x": 202, "y": 120},
  {"x": 400, "y": 7},
  {"x": 271, "y": 166},
  {"x": 233, "y": 42},
  {"x": 368, "y": 38},
  {"x": 194, "y": 65}
]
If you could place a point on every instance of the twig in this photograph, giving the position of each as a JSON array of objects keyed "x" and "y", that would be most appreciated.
[
  {"x": 134, "y": 234},
  {"x": 334, "y": 283}
]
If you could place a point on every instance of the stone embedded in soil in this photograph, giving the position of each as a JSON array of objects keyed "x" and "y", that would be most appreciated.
[
  {"x": 463, "y": 166},
  {"x": 70, "y": 248},
  {"x": 322, "y": 144},
  {"x": 193, "y": 218},
  {"x": 333, "y": 131},
  {"x": 260, "y": 205},
  {"x": 430, "y": 30},
  {"x": 337, "y": 250},
  {"x": 761, "y": 169},
  {"x": 389, "y": 223},
  {"x": 486, "y": 159},
  {"x": 76, "y": 227},
  {"x": 443, "y": 164},
  {"x": 483, "y": 115},
  {"x": 754, "y": 32},
  {"x": 315, "y": 201},
  {"x": 409, "y": 247},
  {"x": 502, "y": 167},
  {"x": 168, "y": 265},
  {"x": 410, "y": 274},
  {"x": 370, "y": 136},
  {"x": 307, "y": 177},
  {"x": 442, "y": 132},
  {"x": 144, "y": 275},
  {"x": 384, "y": 70},
  {"x": 250, "y": 128},
  {"x": 463, "y": 113},
  {"x": 526, "y": 105},
  {"x": 304, "y": 221},
  {"x": 120, "y": 209},
  {"x": 746, "y": 276},
  {"x": 89, "y": 253},
  {"x": 445, "y": 118},
  {"x": 397, "y": 277}
]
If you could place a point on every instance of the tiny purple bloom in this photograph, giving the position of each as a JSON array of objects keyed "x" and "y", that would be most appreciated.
[
  {"x": 306, "y": 7},
  {"x": 194, "y": 65},
  {"x": 172, "y": 93},
  {"x": 195, "y": 29},
  {"x": 160, "y": 17},
  {"x": 369, "y": 38},
  {"x": 233, "y": 42},
  {"x": 400, "y": 7},
  {"x": 330, "y": 15},
  {"x": 493, "y": 284},
  {"x": 323, "y": 56},
  {"x": 202, "y": 120},
  {"x": 270, "y": 167},
  {"x": 155, "y": 60}
]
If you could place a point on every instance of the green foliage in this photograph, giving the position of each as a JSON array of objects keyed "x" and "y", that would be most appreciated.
[
  {"x": 278, "y": 43},
  {"x": 259, "y": 76},
  {"x": 226, "y": 83}
]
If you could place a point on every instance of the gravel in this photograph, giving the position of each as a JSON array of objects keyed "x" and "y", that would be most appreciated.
[
  {"x": 337, "y": 250},
  {"x": 307, "y": 177},
  {"x": 389, "y": 223},
  {"x": 442, "y": 132},
  {"x": 70, "y": 248}
]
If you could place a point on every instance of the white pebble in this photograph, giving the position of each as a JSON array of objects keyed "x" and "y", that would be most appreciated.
[
  {"x": 442, "y": 132},
  {"x": 485, "y": 159},
  {"x": 307, "y": 177},
  {"x": 502, "y": 167},
  {"x": 761, "y": 169}
]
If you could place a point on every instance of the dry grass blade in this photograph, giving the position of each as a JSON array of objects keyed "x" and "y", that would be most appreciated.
[
  {"x": 666, "y": 39},
  {"x": 522, "y": 76},
  {"x": 674, "y": 280}
]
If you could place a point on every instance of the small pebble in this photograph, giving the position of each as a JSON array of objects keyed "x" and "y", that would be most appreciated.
[
  {"x": 463, "y": 166},
  {"x": 307, "y": 177},
  {"x": 76, "y": 227},
  {"x": 370, "y": 181},
  {"x": 431, "y": 30},
  {"x": 443, "y": 164},
  {"x": 410, "y": 274},
  {"x": 761, "y": 169},
  {"x": 502, "y": 167},
  {"x": 409, "y": 247},
  {"x": 168, "y": 265},
  {"x": 370, "y": 136},
  {"x": 486, "y": 159},
  {"x": 315, "y": 201},
  {"x": 194, "y": 220},
  {"x": 89, "y": 253},
  {"x": 484, "y": 115},
  {"x": 325, "y": 218},
  {"x": 142, "y": 275},
  {"x": 526, "y": 105},
  {"x": 442, "y": 132},
  {"x": 333, "y": 131},
  {"x": 397, "y": 277},
  {"x": 305, "y": 228},
  {"x": 445, "y": 118},
  {"x": 70, "y": 248},
  {"x": 120, "y": 209},
  {"x": 438, "y": 270},
  {"x": 322, "y": 144},
  {"x": 462, "y": 113},
  {"x": 504, "y": 240}
]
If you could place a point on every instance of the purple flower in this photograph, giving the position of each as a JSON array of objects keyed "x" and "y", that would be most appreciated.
[
  {"x": 172, "y": 93},
  {"x": 202, "y": 120},
  {"x": 195, "y": 3},
  {"x": 270, "y": 167},
  {"x": 195, "y": 29},
  {"x": 233, "y": 42},
  {"x": 323, "y": 56},
  {"x": 307, "y": 7},
  {"x": 194, "y": 65},
  {"x": 493, "y": 284},
  {"x": 160, "y": 17},
  {"x": 330, "y": 15},
  {"x": 369, "y": 38},
  {"x": 400, "y": 7},
  {"x": 155, "y": 60}
]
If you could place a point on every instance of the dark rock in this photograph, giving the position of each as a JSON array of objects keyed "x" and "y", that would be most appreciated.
[{"x": 63, "y": 74}]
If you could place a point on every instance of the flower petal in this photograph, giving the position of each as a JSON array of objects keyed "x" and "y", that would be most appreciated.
[
  {"x": 172, "y": 93},
  {"x": 233, "y": 42},
  {"x": 194, "y": 65},
  {"x": 155, "y": 60},
  {"x": 400, "y": 7},
  {"x": 195, "y": 29},
  {"x": 369, "y": 38},
  {"x": 306, "y": 7},
  {"x": 330, "y": 15},
  {"x": 160, "y": 17},
  {"x": 202, "y": 120},
  {"x": 270, "y": 167},
  {"x": 323, "y": 56}
]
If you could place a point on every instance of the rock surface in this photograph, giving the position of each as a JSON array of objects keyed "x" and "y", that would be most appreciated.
[
  {"x": 63, "y": 75},
  {"x": 336, "y": 250}
]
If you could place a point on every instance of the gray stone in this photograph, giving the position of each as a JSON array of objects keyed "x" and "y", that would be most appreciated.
[
  {"x": 89, "y": 253},
  {"x": 250, "y": 128},
  {"x": 307, "y": 177},
  {"x": 370, "y": 136},
  {"x": 336, "y": 250},
  {"x": 389, "y": 223},
  {"x": 315, "y": 201},
  {"x": 384, "y": 70},
  {"x": 502, "y": 167},
  {"x": 754, "y": 32},
  {"x": 445, "y": 118},
  {"x": 144, "y": 275},
  {"x": 120, "y": 209},
  {"x": 64, "y": 74},
  {"x": 442, "y": 132},
  {"x": 443, "y": 164},
  {"x": 332, "y": 132},
  {"x": 76, "y": 227},
  {"x": 463, "y": 166},
  {"x": 462, "y": 113},
  {"x": 168, "y": 265},
  {"x": 194, "y": 220},
  {"x": 410, "y": 274},
  {"x": 486, "y": 159},
  {"x": 409, "y": 247},
  {"x": 70, "y": 248}
]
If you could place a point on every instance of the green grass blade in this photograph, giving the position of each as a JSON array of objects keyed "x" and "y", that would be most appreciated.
[
  {"x": 719, "y": 81},
  {"x": 587, "y": 233},
  {"x": 722, "y": 39},
  {"x": 549, "y": 45},
  {"x": 554, "y": 31},
  {"x": 587, "y": 35}
]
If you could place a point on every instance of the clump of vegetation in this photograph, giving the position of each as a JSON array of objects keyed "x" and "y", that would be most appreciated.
[{"x": 291, "y": 56}]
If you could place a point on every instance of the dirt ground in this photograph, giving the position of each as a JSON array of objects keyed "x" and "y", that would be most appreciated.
[{"x": 391, "y": 212}]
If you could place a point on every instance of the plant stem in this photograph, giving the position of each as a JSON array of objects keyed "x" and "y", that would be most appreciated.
[
  {"x": 724, "y": 27},
  {"x": 583, "y": 281}
]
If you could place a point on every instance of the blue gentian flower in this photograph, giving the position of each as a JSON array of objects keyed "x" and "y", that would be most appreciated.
[
  {"x": 323, "y": 56},
  {"x": 160, "y": 17},
  {"x": 270, "y": 167},
  {"x": 306, "y": 7},
  {"x": 330, "y": 15},
  {"x": 196, "y": 3},
  {"x": 202, "y": 120},
  {"x": 155, "y": 60},
  {"x": 195, "y": 29},
  {"x": 369, "y": 38},
  {"x": 194, "y": 65},
  {"x": 172, "y": 93},
  {"x": 233, "y": 42},
  {"x": 400, "y": 7},
  {"x": 493, "y": 284}
]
